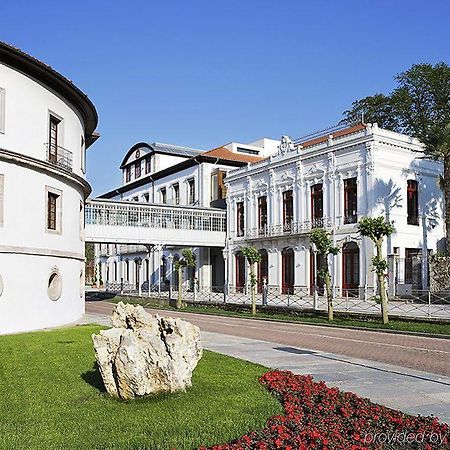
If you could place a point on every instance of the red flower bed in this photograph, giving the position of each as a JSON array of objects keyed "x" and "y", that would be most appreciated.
[{"x": 319, "y": 417}]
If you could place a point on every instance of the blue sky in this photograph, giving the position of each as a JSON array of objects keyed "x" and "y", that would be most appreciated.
[{"x": 203, "y": 73}]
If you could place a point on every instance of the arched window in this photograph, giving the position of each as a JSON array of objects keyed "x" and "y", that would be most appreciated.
[
  {"x": 240, "y": 271},
  {"x": 287, "y": 271},
  {"x": 263, "y": 269},
  {"x": 127, "y": 270},
  {"x": 350, "y": 269}
]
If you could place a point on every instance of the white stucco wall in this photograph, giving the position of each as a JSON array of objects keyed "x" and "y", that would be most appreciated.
[
  {"x": 381, "y": 161},
  {"x": 28, "y": 105},
  {"x": 28, "y": 251}
]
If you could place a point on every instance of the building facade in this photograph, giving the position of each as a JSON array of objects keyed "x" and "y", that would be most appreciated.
[
  {"x": 331, "y": 181},
  {"x": 184, "y": 178},
  {"x": 46, "y": 124}
]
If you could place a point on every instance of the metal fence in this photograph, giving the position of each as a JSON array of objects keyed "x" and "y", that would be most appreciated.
[{"x": 364, "y": 300}]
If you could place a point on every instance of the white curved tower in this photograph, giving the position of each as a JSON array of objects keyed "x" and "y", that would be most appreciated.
[{"x": 46, "y": 124}]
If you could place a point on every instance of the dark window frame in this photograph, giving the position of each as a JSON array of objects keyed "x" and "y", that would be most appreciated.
[
  {"x": 176, "y": 193},
  {"x": 127, "y": 174},
  {"x": 191, "y": 191},
  {"x": 262, "y": 213},
  {"x": 53, "y": 131},
  {"x": 240, "y": 219},
  {"x": 52, "y": 211},
  {"x": 412, "y": 202},
  {"x": 317, "y": 205},
  {"x": 288, "y": 209},
  {"x": 137, "y": 169},
  {"x": 350, "y": 200}
]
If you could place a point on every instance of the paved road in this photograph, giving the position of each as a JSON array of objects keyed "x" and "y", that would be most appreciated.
[{"x": 414, "y": 352}]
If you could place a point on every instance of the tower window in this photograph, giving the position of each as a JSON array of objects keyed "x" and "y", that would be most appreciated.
[{"x": 413, "y": 202}]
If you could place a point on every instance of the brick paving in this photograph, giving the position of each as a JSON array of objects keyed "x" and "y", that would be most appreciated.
[{"x": 414, "y": 352}]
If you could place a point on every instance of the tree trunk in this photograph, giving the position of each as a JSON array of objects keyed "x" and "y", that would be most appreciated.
[
  {"x": 253, "y": 288},
  {"x": 329, "y": 296},
  {"x": 180, "y": 288},
  {"x": 382, "y": 287},
  {"x": 447, "y": 200}
]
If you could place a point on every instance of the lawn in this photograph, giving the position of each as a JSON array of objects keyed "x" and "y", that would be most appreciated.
[
  {"x": 295, "y": 316},
  {"x": 52, "y": 397}
]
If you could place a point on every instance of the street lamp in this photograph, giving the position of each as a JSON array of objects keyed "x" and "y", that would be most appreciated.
[{"x": 314, "y": 250}]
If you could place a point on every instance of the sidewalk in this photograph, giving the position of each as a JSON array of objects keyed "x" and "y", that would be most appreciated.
[{"x": 409, "y": 390}]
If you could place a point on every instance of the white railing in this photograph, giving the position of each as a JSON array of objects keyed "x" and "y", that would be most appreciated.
[
  {"x": 287, "y": 229},
  {"x": 112, "y": 213}
]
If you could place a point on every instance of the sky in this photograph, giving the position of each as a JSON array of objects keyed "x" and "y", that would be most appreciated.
[{"x": 204, "y": 73}]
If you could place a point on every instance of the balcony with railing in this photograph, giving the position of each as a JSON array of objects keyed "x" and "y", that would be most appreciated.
[
  {"x": 59, "y": 156},
  {"x": 286, "y": 229},
  {"x": 144, "y": 223}
]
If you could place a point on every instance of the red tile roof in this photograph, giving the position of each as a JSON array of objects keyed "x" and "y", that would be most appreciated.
[
  {"x": 344, "y": 132},
  {"x": 223, "y": 153}
]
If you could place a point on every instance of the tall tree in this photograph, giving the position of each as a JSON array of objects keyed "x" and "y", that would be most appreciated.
[
  {"x": 377, "y": 108},
  {"x": 324, "y": 247},
  {"x": 418, "y": 106},
  {"x": 376, "y": 229}
]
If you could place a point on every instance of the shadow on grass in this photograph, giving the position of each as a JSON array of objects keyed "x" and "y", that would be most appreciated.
[{"x": 94, "y": 378}]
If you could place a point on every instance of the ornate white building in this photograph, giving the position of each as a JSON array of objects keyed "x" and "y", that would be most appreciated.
[
  {"x": 331, "y": 181},
  {"x": 46, "y": 124},
  {"x": 191, "y": 182}
]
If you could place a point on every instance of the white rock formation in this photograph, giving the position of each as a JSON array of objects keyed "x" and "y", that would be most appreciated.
[{"x": 145, "y": 354}]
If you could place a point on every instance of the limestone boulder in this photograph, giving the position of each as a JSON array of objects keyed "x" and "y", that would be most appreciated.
[{"x": 146, "y": 354}]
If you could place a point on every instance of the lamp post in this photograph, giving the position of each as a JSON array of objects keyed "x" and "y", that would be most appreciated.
[{"x": 314, "y": 251}]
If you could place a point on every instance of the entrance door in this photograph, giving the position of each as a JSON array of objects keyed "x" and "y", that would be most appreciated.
[
  {"x": 263, "y": 269},
  {"x": 413, "y": 267},
  {"x": 350, "y": 269},
  {"x": 287, "y": 264},
  {"x": 240, "y": 272}
]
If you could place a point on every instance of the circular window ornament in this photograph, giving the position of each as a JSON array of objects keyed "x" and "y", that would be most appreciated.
[
  {"x": 1, "y": 285},
  {"x": 138, "y": 153},
  {"x": 54, "y": 288}
]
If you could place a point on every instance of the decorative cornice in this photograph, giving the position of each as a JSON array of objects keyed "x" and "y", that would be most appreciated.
[{"x": 37, "y": 164}]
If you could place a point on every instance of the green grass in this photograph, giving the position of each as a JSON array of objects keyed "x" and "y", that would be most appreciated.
[
  {"x": 52, "y": 397},
  {"x": 298, "y": 316}
]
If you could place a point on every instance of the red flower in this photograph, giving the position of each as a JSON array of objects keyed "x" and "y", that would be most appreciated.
[{"x": 319, "y": 417}]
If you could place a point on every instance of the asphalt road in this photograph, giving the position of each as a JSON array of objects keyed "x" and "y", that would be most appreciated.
[{"x": 415, "y": 352}]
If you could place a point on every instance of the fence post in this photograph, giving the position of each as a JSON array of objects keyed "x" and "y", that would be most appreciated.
[
  {"x": 346, "y": 300},
  {"x": 315, "y": 298},
  {"x": 225, "y": 292},
  {"x": 429, "y": 304},
  {"x": 121, "y": 285},
  {"x": 195, "y": 289}
]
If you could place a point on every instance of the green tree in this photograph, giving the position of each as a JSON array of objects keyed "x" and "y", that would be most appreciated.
[
  {"x": 418, "y": 106},
  {"x": 188, "y": 260},
  {"x": 324, "y": 247},
  {"x": 89, "y": 251},
  {"x": 253, "y": 257},
  {"x": 378, "y": 108},
  {"x": 376, "y": 229}
]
